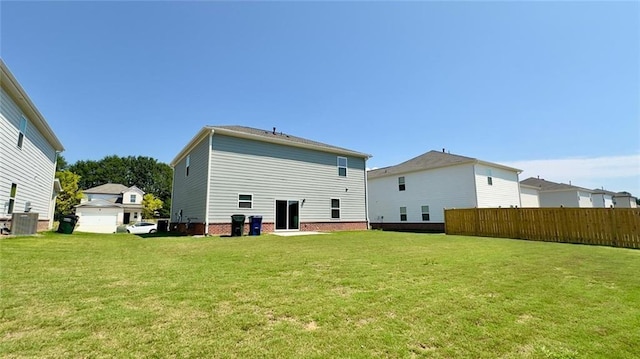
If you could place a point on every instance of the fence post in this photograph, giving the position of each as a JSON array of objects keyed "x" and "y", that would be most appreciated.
[
  {"x": 477, "y": 224},
  {"x": 614, "y": 229}
]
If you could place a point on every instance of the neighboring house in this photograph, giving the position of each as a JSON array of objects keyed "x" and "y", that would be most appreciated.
[
  {"x": 529, "y": 196},
  {"x": 295, "y": 184},
  {"x": 552, "y": 194},
  {"x": 602, "y": 198},
  {"x": 413, "y": 195},
  {"x": 28, "y": 154},
  {"x": 624, "y": 200},
  {"x": 103, "y": 208}
]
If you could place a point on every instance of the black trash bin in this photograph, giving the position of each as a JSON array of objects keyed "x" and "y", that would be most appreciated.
[
  {"x": 255, "y": 225},
  {"x": 237, "y": 225},
  {"x": 163, "y": 225},
  {"x": 67, "y": 224}
]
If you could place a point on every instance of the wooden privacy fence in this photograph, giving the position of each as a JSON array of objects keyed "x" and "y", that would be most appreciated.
[{"x": 618, "y": 227}]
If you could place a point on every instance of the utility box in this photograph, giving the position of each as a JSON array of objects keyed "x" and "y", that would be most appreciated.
[{"x": 24, "y": 223}]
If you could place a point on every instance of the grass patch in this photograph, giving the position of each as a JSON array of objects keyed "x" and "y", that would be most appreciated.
[{"x": 349, "y": 295}]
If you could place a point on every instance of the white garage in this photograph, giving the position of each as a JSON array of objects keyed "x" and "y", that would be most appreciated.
[{"x": 99, "y": 216}]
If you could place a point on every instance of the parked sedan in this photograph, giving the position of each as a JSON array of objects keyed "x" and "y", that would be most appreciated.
[{"x": 142, "y": 228}]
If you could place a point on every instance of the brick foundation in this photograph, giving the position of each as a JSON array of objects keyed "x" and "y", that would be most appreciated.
[
  {"x": 410, "y": 227},
  {"x": 217, "y": 229}
]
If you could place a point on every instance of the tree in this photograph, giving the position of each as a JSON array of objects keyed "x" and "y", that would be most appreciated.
[
  {"x": 150, "y": 205},
  {"x": 70, "y": 195},
  {"x": 61, "y": 163}
]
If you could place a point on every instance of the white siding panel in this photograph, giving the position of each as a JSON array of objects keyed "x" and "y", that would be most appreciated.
[
  {"x": 447, "y": 187},
  {"x": 31, "y": 167},
  {"x": 529, "y": 197},
  {"x": 190, "y": 192},
  {"x": 273, "y": 172},
  {"x": 584, "y": 199},
  {"x": 504, "y": 190},
  {"x": 559, "y": 198}
]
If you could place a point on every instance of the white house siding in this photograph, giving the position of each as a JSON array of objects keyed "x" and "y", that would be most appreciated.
[
  {"x": 504, "y": 190},
  {"x": 446, "y": 187},
  {"x": 602, "y": 200},
  {"x": 32, "y": 167},
  {"x": 273, "y": 172},
  {"x": 584, "y": 199},
  {"x": 190, "y": 192},
  {"x": 529, "y": 197},
  {"x": 567, "y": 198}
]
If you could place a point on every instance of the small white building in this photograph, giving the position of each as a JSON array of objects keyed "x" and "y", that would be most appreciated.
[
  {"x": 602, "y": 198},
  {"x": 104, "y": 208},
  {"x": 552, "y": 194},
  {"x": 413, "y": 195},
  {"x": 28, "y": 154},
  {"x": 624, "y": 200}
]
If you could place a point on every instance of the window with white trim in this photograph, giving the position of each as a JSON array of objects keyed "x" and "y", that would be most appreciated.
[
  {"x": 401, "y": 184},
  {"x": 245, "y": 201},
  {"x": 188, "y": 163},
  {"x": 132, "y": 198},
  {"x": 425, "y": 213},
  {"x": 489, "y": 178},
  {"x": 12, "y": 197},
  {"x": 342, "y": 166},
  {"x": 23, "y": 131},
  {"x": 403, "y": 214},
  {"x": 335, "y": 208}
]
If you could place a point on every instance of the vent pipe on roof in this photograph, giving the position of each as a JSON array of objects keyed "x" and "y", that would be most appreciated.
[
  {"x": 274, "y": 130},
  {"x": 442, "y": 150}
]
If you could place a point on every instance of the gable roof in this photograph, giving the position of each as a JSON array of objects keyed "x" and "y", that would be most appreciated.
[
  {"x": 545, "y": 185},
  {"x": 99, "y": 203},
  {"x": 431, "y": 160},
  {"x": 264, "y": 136},
  {"x": 12, "y": 86},
  {"x": 107, "y": 188},
  {"x": 603, "y": 191}
]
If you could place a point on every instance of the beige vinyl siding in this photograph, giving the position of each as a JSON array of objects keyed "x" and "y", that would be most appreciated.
[
  {"x": 31, "y": 167},
  {"x": 190, "y": 192},
  {"x": 273, "y": 172}
]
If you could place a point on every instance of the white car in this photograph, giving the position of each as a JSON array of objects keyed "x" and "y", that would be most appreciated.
[{"x": 142, "y": 228}]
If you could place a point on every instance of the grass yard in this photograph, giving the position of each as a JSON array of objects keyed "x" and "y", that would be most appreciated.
[{"x": 342, "y": 295}]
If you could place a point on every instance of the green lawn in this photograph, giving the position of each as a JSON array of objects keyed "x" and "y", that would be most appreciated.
[{"x": 342, "y": 295}]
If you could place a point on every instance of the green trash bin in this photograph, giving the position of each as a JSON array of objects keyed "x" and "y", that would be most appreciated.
[
  {"x": 237, "y": 225},
  {"x": 67, "y": 224}
]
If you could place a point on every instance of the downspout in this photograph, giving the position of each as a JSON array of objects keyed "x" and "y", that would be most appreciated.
[
  {"x": 475, "y": 185},
  {"x": 366, "y": 195},
  {"x": 519, "y": 192},
  {"x": 208, "y": 195}
]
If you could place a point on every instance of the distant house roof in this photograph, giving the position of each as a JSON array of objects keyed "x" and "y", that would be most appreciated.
[
  {"x": 272, "y": 136},
  {"x": 107, "y": 188},
  {"x": 603, "y": 191},
  {"x": 12, "y": 86},
  {"x": 99, "y": 203},
  {"x": 545, "y": 185},
  {"x": 430, "y": 160}
]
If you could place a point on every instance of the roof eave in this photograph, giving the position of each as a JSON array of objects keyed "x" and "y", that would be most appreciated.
[{"x": 11, "y": 84}]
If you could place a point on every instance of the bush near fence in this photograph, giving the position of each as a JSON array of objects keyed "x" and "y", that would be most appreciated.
[{"x": 618, "y": 227}]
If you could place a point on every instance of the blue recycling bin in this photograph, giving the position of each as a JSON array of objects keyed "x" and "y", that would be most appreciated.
[{"x": 255, "y": 225}]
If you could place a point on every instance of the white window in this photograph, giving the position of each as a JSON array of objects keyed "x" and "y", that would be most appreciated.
[
  {"x": 188, "y": 164},
  {"x": 489, "y": 178},
  {"x": 342, "y": 166},
  {"x": 12, "y": 197},
  {"x": 335, "y": 208},
  {"x": 245, "y": 201},
  {"x": 23, "y": 131},
  {"x": 403, "y": 214},
  {"x": 425, "y": 213},
  {"x": 132, "y": 198},
  {"x": 401, "y": 185}
]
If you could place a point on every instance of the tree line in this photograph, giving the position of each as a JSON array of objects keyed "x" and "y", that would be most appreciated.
[{"x": 153, "y": 177}]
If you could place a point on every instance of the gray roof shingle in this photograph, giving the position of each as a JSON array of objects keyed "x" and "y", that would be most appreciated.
[
  {"x": 545, "y": 185},
  {"x": 107, "y": 188}
]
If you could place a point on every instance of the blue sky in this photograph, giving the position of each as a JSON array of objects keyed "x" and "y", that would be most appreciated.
[{"x": 551, "y": 87}]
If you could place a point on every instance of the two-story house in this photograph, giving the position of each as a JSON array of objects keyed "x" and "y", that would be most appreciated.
[
  {"x": 103, "y": 208},
  {"x": 295, "y": 184},
  {"x": 552, "y": 194},
  {"x": 28, "y": 154},
  {"x": 413, "y": 195}
]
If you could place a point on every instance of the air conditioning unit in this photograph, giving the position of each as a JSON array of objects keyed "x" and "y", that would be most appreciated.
[{"x": 24, "y": 223}]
